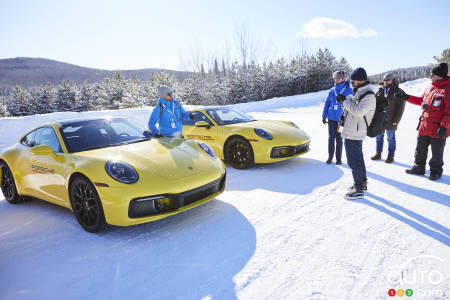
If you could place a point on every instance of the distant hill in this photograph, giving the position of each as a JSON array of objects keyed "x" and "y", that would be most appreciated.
[
  {"x": 404, "y": 74},
  {"x": 28, "y": 72}
]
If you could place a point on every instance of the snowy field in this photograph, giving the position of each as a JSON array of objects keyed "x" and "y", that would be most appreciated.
[{"x": 279, "y": 231}]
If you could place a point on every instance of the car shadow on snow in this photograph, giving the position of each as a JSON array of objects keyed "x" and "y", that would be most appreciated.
[
  {"x": 294, "y": 176},
  {"x": 438, "y": 232},
  {"x": 190, "y": 255}
]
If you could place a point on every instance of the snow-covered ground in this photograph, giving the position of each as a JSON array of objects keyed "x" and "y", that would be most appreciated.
[{"x": 279, "y": 231}]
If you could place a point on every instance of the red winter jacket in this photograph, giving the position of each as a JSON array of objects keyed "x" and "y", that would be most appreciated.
[{"x": 438, "y": 110}]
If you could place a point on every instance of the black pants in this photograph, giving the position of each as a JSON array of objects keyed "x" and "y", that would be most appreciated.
[
  {"x": 334, "y": 135},
  {"x": 437, "y": 154}
]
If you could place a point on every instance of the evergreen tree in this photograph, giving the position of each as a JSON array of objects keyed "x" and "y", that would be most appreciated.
[
  {"x": 86, "y": 100},
  {"x": 44, "y": 98},
  {"x": 66, "y": 97},
  {"x": 3, "y": 108},
  {"x": 445, "y": 57},
  {"x": 18, "y": 102}
]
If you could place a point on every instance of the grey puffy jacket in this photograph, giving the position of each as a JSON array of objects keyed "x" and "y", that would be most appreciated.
[{"x": 355, "y": 109}]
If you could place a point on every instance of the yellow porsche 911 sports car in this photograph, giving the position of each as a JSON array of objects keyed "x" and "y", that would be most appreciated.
[
  {"x": 241, "y": 140},
  {"x": 110, "y": 171}
]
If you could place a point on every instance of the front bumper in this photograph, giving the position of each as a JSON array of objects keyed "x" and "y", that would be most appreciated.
[
  {"x": 289, "y": 151},
  {"x": 120, "y": 210},
  {"x": 160, "y": 204},
  {"x": 282, "y": 151}
]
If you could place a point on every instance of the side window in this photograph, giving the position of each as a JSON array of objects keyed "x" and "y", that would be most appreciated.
[
  {"x": 47, "y": 136},
  {"x": 198, "y": 116},
  {"x": 29, "y": 139}
]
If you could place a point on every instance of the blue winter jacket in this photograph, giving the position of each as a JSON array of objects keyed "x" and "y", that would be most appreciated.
[
  {"x": 333, "y": 109},
  {"x": 165, "y": 124}
]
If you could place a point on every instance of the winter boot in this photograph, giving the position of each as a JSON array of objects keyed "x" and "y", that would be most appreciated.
[
  {"x": 352, "y": 188},
  {"x": 354, "y": 195},
  {"x": 434, "y": 176},
  {"x": 415, "y": 171},
  {"x": 389, "y": 160},
  {"x": 339, "y": 162},
  {"x": 329, "y": 160},
  {"x": 376, "y": 156}
]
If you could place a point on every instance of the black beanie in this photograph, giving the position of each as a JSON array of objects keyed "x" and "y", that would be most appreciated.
[
  {"x": 440, "y": 70},
  {"x": 359, "y": 74}
]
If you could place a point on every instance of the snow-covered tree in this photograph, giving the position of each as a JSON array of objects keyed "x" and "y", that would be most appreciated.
[
  {"x": 18, "y": 102},
  {"x": 66, "y": 97},
  {"x": 3, "y": 108},
  {"x": 43, "y": 99}
]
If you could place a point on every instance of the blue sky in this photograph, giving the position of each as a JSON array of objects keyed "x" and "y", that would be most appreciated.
[{"x": 379, "y": 35}]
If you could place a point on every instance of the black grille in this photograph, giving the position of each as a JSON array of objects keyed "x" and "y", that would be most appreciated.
[
  {"x": 287, "y": 151},
  {"x": 154, "y": 205}
]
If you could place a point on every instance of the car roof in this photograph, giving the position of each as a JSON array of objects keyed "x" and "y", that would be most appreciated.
[
  {"x": 211, "y": 107},
  {"x": 68, "y": 122}
]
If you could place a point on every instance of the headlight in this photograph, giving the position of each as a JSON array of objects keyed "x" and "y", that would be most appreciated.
[
  {"x": 207, "y": 149},
  {"x": 262, "y": 133},
  {"x": 121, "y": 172},
  {"x": 295, "y": 125}
]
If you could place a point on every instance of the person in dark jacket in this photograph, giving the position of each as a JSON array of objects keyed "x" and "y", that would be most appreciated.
[
  {"x": 333, "y": 111},
  {"x": 169, "y": 113},
  {"x": 434, "y": 123},
  {"x": 393, "y": 99}
]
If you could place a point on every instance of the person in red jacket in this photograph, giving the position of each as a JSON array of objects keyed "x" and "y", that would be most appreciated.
[{"x": 433, "y": 124}]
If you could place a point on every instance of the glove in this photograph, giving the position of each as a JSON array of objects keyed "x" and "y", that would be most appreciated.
[
  {"x": 340, "y": 98},
  {"x": 424, "y": 106},
  {"x": 324, "y": 121},
  {"x": 191, "y": 115},
  {"x": 441, "y": 132},
  {"x": 157, "y": 136}
]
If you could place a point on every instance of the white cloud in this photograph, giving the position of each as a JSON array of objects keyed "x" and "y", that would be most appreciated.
[{"x": 328, "y": 28}]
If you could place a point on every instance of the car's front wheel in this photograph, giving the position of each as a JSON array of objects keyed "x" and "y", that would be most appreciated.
[
  {"x": 238, "y": 153},
  {"x": 8, "y": 185},
  {"x": 86, "y": 205}
]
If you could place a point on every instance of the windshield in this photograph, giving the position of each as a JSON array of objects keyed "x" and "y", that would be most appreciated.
[
  {"x": 226, "y": 116},
  {"x": 94, "y": 134}
]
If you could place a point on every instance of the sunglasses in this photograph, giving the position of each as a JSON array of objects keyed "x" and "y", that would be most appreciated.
[{"x": 170, "y": 94}]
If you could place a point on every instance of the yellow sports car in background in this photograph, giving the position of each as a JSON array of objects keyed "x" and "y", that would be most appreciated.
[
  {"x": 110, "y": 171},
  {"x": 241, "y": 140}
]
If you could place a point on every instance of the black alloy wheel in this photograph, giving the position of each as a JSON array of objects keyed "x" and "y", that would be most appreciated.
[
  {"x": 86, "y": 205},
  {"x": 8, "y": 186},
  {"x": 239, "y": 153}
]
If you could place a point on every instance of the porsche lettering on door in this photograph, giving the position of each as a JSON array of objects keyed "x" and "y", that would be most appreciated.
[{"x": 41, "y": 170}]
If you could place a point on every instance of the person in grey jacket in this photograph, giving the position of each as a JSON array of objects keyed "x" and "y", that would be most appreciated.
[{"x": 357, "y": 106}]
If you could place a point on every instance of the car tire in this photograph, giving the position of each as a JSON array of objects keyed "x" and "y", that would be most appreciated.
[
  {"x": 238, "y": 153},
  {"x": 8, "y": 186},
  {"x": 86, "y": 205}
]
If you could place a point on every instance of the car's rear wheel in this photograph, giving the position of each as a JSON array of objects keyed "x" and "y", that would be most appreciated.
[
  {"x": 238, "y": 153},
  {"x": 8, "y": 185},
  {"x": 86, "y": 205}
]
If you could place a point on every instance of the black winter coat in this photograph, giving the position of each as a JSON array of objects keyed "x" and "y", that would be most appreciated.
[{"x": 394, "y": 105}]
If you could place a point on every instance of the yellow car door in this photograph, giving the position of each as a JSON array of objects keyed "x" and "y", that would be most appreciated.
[
  {"x": 205, "y": 133},
  {"x": 48, "y": 167}
]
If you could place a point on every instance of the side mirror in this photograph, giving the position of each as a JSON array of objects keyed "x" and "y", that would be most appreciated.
[
  {"x": 42, "y": 150},
  {"x": 202, "y": 124}
]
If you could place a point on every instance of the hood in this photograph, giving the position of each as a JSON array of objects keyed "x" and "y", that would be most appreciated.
[
  {"x": 168, "y": 158},
  {"x": 275, "y": 128}
]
